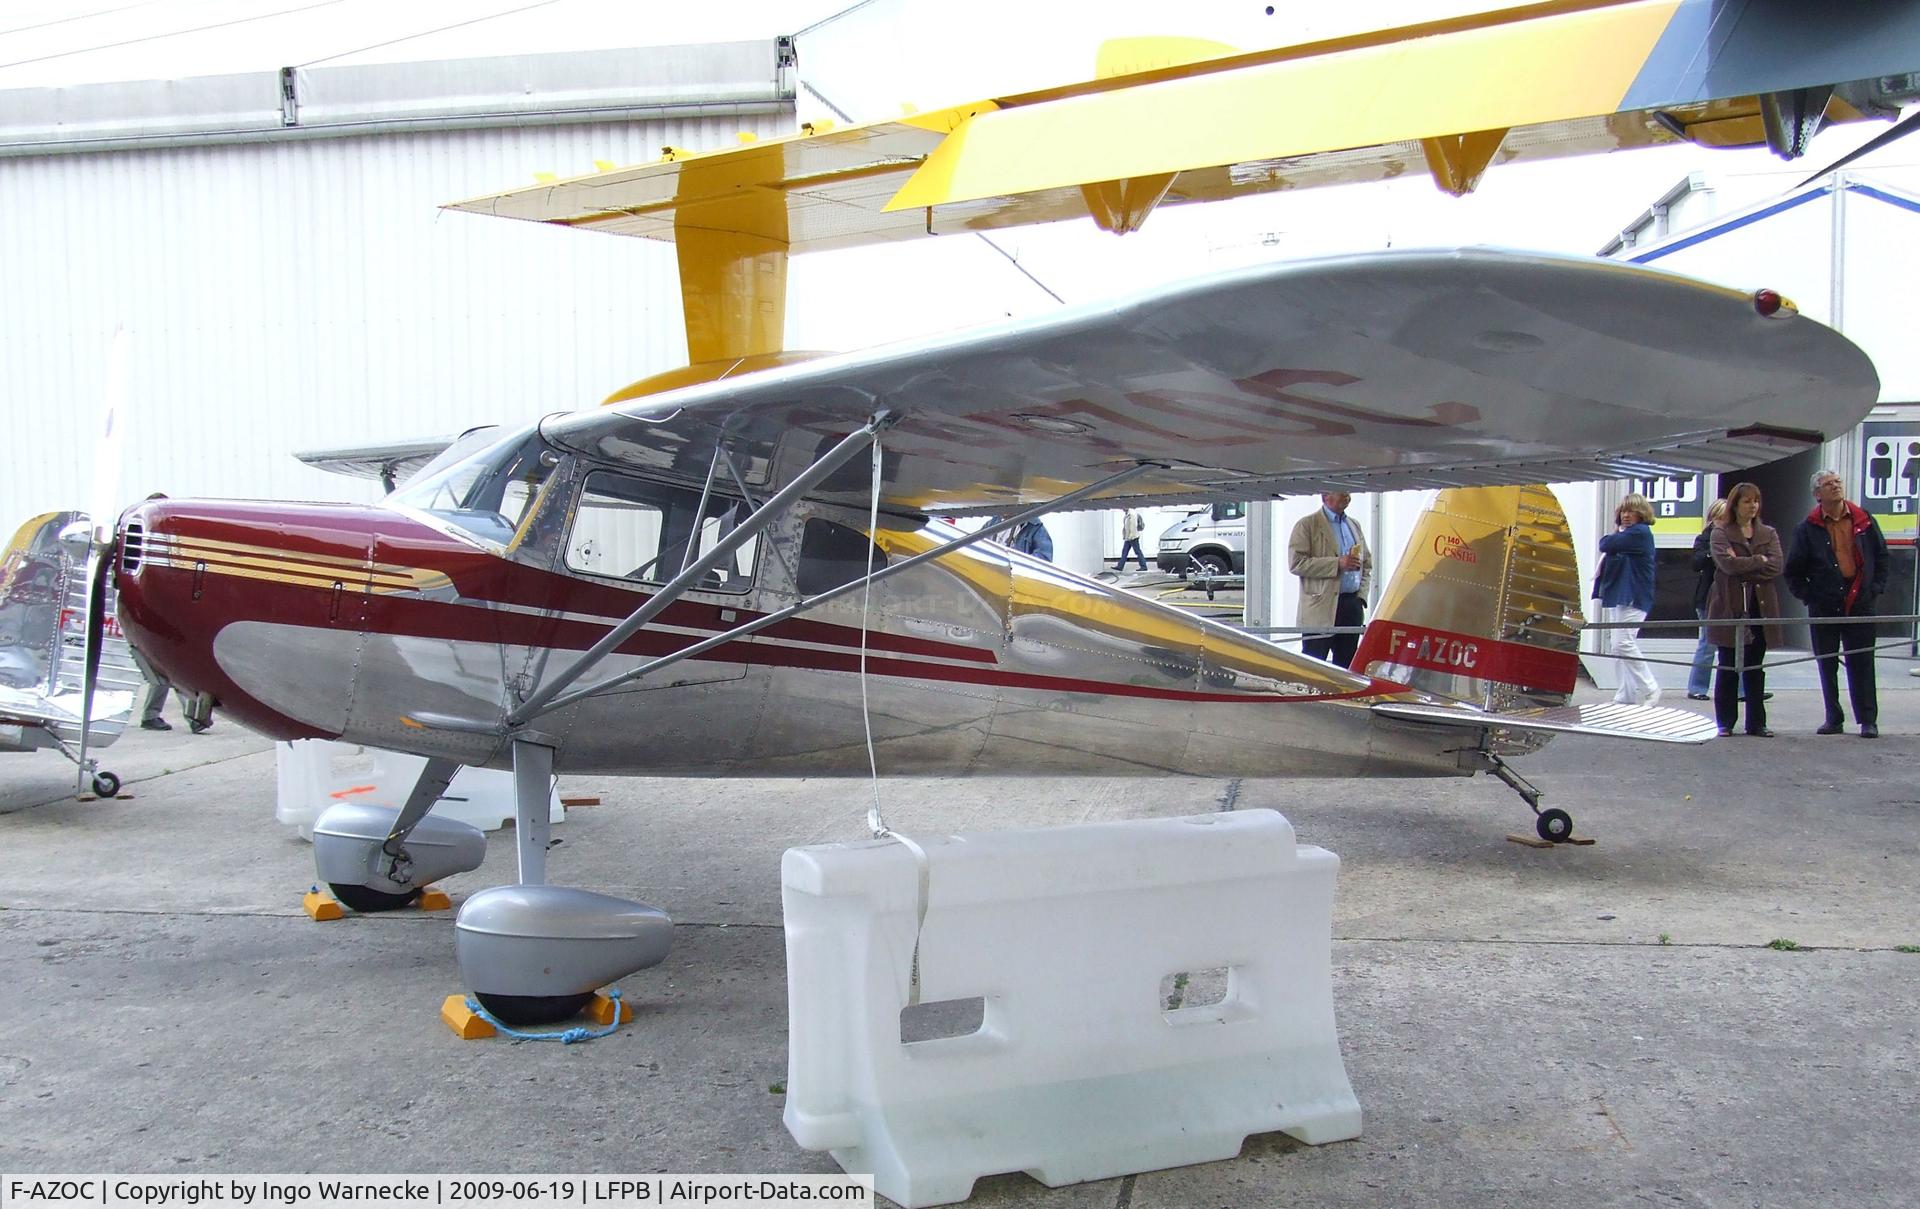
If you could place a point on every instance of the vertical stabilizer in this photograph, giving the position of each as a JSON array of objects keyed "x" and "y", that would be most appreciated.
[{"x": 1485, "y": 605}]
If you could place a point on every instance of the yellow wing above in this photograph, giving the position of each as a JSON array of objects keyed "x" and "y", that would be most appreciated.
[
  {"x": 1175, "y": 121},
  {"x": 1533, "y": 81}
]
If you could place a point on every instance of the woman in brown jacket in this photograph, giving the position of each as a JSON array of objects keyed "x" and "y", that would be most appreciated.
[{"x": 1747, "y": 561}]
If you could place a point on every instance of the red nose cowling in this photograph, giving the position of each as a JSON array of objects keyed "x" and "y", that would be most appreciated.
[{"x": 188, "y": 570}]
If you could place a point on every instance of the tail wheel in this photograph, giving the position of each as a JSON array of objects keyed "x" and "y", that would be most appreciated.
[
  {"x": 1554, "y": 825},
  {"x": 105, "y": 784}
]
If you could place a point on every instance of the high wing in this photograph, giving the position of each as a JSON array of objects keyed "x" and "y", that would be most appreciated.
[
  {"x": 1187, "y": 122},
  {"x": 1365, "y": 372}
]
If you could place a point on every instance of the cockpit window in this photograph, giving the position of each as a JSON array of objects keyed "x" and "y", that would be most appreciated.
[
  {"x": 488, "y": 493},
  {"x": 632, "y": 528},
  {"x": 463, "y": 447}
]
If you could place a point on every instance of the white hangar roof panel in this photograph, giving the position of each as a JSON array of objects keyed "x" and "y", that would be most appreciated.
[
  {"x": 285, "y": 294},
  {"x": 737, "y": 78}
]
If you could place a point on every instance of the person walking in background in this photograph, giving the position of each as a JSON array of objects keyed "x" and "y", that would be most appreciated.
[
  {"x": 1132, "y": 525},
  {"x": 1700, "y": 678},
  {"x": 1747, "y": 561},
  {"x": 1837, "y": 565},
  {"x": 1331, "y": 558},
  {"x": 1624, "y": 588}
]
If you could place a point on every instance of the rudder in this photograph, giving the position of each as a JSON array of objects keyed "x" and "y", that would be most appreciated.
[{"x": 1485, "y": 604}]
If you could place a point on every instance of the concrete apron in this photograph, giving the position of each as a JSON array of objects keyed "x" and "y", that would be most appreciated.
[{"x": 1596, "y": 1024}]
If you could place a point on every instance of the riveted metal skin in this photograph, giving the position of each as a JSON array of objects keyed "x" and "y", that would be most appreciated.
[{"x": 982, "y": 660}]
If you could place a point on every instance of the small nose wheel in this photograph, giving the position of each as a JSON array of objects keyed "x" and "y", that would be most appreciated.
[
  {"x": 105, "y": 784},
  {"x": 1554, "y": 825}
]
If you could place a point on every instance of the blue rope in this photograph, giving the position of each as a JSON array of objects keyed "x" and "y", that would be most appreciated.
[{"x": 564, "y": 1037}]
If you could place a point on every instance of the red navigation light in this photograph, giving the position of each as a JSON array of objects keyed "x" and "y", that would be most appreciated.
[{"x": 1772, "y": 305}]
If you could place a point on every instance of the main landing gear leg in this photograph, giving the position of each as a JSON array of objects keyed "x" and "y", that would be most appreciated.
[
  {"x": 532, "y": 824},
  {"x": 1552, "y": 824}
]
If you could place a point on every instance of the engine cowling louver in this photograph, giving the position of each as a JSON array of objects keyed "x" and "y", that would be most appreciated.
[{"x": 133, "y": 547}]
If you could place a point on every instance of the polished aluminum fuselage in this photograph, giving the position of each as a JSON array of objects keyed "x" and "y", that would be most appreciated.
[{"x": 383, "y": 626}]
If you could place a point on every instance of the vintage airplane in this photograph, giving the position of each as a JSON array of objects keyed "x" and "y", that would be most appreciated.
[
  {"x": 43, "y": 627},
  {"x": 679, "y": 585},
  {"x": 702, "y": 577}
]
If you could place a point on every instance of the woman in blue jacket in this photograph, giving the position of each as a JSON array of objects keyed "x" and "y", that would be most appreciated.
[{"x": 1624, "y": 589}]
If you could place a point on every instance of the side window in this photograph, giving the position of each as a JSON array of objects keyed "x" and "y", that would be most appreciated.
[
  {"x": 831, "y": 555},
  {"x": 1229, "y": 512},
  {"x": 628, "y": 528}
]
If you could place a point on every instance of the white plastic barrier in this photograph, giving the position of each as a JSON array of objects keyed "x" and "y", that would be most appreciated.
[
  {"x": 310, "y": 780},
  {"x": 1077, "y": 1071}
]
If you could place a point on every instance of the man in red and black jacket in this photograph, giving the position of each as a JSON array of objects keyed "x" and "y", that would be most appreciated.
[{"x": 1837, "y": 565}]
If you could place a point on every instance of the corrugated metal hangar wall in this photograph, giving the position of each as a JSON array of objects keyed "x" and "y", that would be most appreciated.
[{"x": 290, "y": 287}]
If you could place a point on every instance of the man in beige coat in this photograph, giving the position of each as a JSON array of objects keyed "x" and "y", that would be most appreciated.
[{"x": 1329, "y": 554}]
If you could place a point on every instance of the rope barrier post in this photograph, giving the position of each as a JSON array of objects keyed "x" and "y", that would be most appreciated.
[{"x": 1913, "y": 645}]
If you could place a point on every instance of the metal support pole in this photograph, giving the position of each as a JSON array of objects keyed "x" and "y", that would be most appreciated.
[
  {"x": 700, "y": 509},
  {"x": 812, "y": 602},
  {"x": 532, "y": 817},
  {"x": 806, "y": 481},
  {"x": 1258, "y": 608}
]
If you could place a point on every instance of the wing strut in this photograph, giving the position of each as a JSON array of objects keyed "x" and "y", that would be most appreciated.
[
  {"x": 806, "y": 481},
  {"x": 427, "y": 791},
  {"x": 548, "y": 703}
]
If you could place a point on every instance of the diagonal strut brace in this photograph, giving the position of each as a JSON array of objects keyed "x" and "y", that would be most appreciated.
[
  {"x": 806, "y": 481},
  {"x": 428, "y": 789},
  {"x": 434, "y": 778},
  {"x": 813, "y": 602}
]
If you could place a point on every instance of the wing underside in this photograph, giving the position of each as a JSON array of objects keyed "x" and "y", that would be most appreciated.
[{"x": 1366, "y": 372}]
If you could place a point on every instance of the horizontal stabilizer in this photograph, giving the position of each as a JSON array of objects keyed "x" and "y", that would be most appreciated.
[{"x": 1650, "y": 722}]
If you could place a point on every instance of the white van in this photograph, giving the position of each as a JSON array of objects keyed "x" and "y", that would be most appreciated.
[{"x": 1215, "y": 539}]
